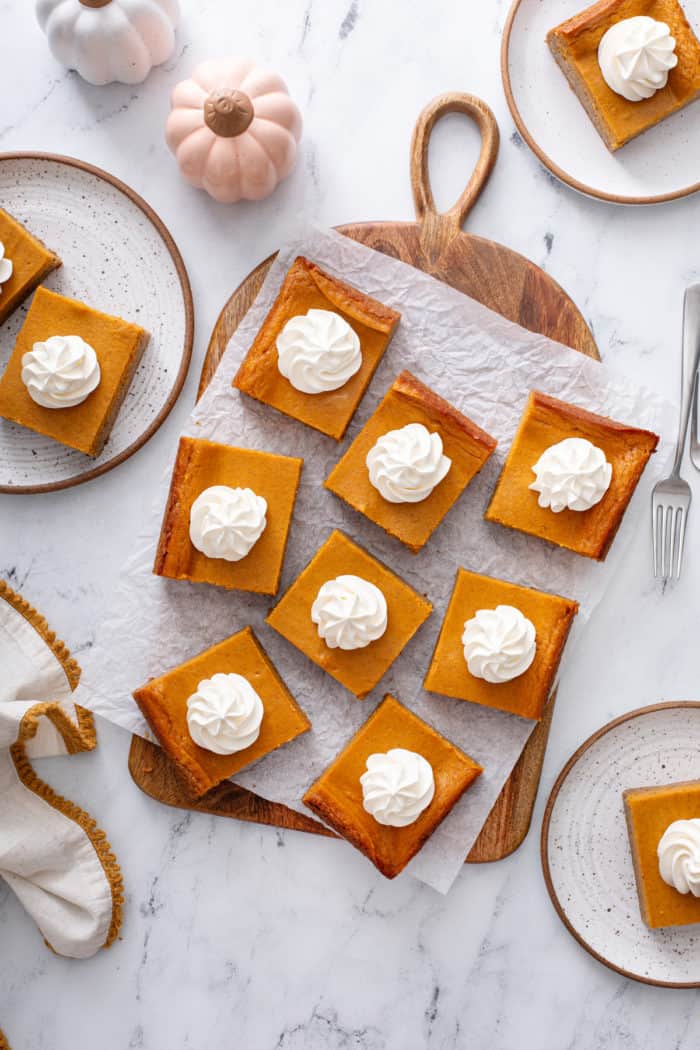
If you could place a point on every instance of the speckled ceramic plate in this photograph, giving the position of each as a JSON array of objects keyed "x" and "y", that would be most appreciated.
[
  {"x": 118, "y": 257},
  {"x": 585, "y": 847},
  {"x": 660, "y": 165}
]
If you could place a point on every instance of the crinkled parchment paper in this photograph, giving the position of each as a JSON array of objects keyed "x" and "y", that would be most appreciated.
[{"x": 484, "y": 365}]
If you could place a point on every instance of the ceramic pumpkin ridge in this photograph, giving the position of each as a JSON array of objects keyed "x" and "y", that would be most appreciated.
[
  {"x": 233, "y": 130},
  {"x": 107, "y": 41}
]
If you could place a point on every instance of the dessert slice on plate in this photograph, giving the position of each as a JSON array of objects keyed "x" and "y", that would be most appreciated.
[
  {"x": 391, "y": 786},
  {"x": 570, "y": 475},
  {"x": 220, "y": 711},
  {"x": 24, "y": 263},
  {"x": 227, "y": 517},
  {"x": 664, "y": 830},
  {"x": 500, "y": 644},
  {"x": 631, "y": 63},
  {"x": 410, "y": 462},
  {"x": 349, "y": 614},
  {"x": 69, "y": 371},
  {"x": 317, "y": 349}
]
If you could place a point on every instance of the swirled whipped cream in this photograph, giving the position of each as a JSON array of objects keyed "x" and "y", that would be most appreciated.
[
  {"x": 679, "y": 855},
  {"x": 499, "y": 644},
  {"x": 405, "y": 465},
  {"x": 635, "y": 56},
  {"x": 6, "y": 267},
  {"x": 226, "y": 522},
  {"x": 318, "y": 351},
  {"x": 225, "y": 713},
  {"x": 349, "y": 612},
  {"x": 572, "y": 474},
  {"x": 61, "y": 372},
  {"x": 397, "y": 786}
]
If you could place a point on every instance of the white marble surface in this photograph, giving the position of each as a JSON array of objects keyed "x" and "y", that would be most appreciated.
[{"x": 240, "y": 936}]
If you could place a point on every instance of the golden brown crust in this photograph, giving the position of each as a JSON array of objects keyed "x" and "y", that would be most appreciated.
[
  {"x": 574, "y": 45},
  {"x": 545, "y": 421},
  {"x": 200, "y": 464},
  {"x": 636, "y": 861},
  {"x": 173, "y": 507},
  {"x": 118, "y": 400},
  {"x": 163, "y": 703},
  {"x": 305, "y": 287},
  {"x": 337, "y": 797},
  {"x": 407, "y": 386}
]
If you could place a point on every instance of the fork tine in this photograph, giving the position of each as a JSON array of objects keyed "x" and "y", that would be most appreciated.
[
  {"x": 655, "y": 530},
  {"x": 681, "y": 518},
  {"x": 664, "y": 539}
]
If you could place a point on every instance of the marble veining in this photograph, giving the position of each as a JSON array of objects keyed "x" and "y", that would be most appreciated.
[{"x": 237, "y": 935}]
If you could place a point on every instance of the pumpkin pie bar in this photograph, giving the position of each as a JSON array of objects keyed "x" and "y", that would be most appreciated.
[
  {"x": 228, "y": 515},
  {"x": 69, "y": 371},
  {"x": 615, "y": 53},
  {"x": 24, "y": 263},
  {"x": 317, "y": 349},
  {"x": 664, "y": 829},
  {"x": 569, "y": 475},
  {"x": 500, "y": 644},
  {"x": 221, "y": 711},
  {"x": 349, "y": 614},
  {"x": 410, "y": 462},
  {"x": 358, "y": 795}
]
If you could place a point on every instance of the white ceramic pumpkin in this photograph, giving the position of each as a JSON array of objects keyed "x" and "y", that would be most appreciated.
[
  {"x": 108, "y": 40},
  {"x": 233, "y": 129}
]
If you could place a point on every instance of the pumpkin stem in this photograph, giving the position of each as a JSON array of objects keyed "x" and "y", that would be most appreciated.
[
  {"x": 95, "y": 3},
  {"x": 227, "y": 112}
]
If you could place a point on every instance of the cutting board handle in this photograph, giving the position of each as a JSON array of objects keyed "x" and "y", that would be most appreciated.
[{"x": 439, "y": 228}]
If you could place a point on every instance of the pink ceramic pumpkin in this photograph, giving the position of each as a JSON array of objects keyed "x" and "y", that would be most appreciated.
[{"x": 233, "y": 129}]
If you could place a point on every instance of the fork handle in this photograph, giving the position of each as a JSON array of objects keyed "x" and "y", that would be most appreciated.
[{"x": 689, "y": 367}]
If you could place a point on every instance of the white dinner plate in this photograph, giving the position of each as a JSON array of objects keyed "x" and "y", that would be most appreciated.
[
  {"x": 586, "y": 854},
  {"x": 659, "y": 165},
  {"x": 118, "y": 257}
]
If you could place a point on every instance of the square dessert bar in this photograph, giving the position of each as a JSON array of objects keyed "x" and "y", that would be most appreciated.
[
  {"x": 31, "y": 263},
  {"x": 163, "y": 702},
  {"x": 201, "y": 464},
  {"x": 337, "y": 796},
  {"x": 307, "y": 287},
  {"x": 118, "y": 346},
  {"x": 359, "y": 670},
  {"x": 649, "y": 811},
  {"x": 575, "y": 43},
  {"x": 545, "y": 422},
  {"x": 406, "y": 402},
  {"x": 527, "y": 694}
]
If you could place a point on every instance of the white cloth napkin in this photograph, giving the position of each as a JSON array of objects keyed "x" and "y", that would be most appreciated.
[{"x": 52, "y": 855}]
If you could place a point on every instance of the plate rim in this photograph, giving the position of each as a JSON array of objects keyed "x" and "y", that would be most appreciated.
[
  {"x": 637, "y": 712},
  {"x": 545, "y": 159},
  {"x": 183, "y": 277}
]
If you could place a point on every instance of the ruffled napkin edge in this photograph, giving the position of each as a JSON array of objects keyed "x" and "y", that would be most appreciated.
[{"x": 77, "y": 736}]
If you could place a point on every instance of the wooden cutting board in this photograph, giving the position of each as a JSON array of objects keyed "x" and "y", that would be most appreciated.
[{"x": 500, "y": 279}]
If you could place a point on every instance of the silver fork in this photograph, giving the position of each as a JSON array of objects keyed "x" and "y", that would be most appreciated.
[{"x": 670, "y": 499}]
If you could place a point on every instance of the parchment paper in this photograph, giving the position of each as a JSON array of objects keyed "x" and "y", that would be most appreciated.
[{"x": 484, "y": 365}]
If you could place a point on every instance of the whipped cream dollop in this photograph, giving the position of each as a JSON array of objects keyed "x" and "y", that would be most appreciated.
[
  {"x": 499, "y": 644},
  {"x": 227, "y": 522},
  {"x": 6, "y": 267},
  {"x": 572, "y": 474},
  {"x": 350, "y": 612},
  {"x": 679, "y": 855},
  {"x": 397, "y": 787},
  {"x": 318, "y": 351},
  {"x": 225, "y": 714},
  {"x": 635, "y": 56},
  {"x": 405, "y": 465},
  {"x": 61, "y": 372}
]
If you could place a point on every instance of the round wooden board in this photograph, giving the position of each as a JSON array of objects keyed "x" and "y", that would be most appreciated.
[{"x": 505, "y": 282}]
